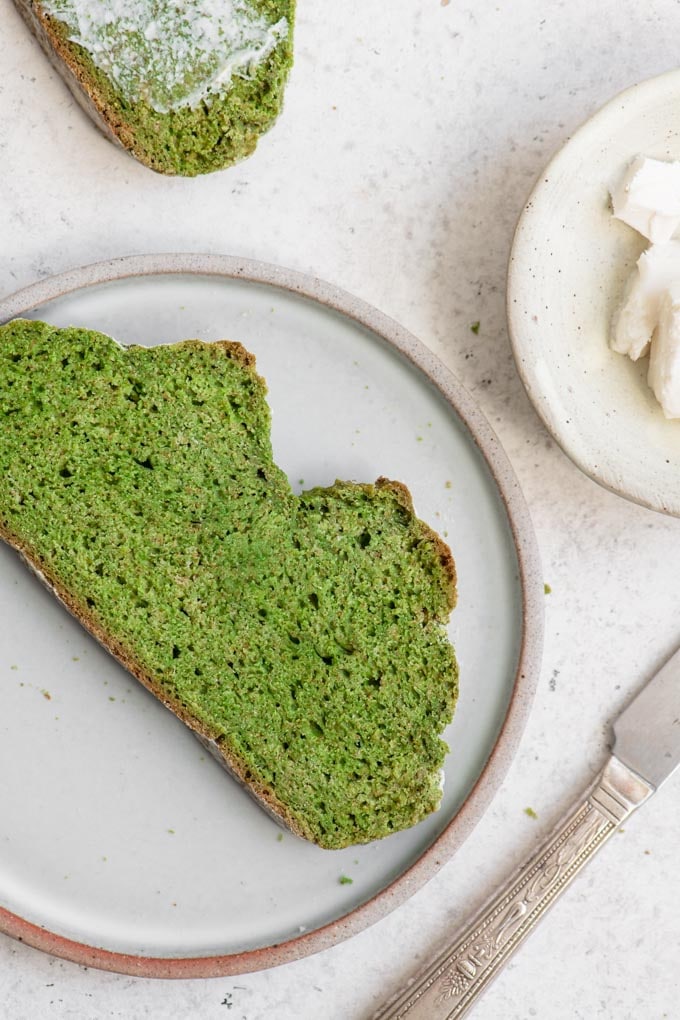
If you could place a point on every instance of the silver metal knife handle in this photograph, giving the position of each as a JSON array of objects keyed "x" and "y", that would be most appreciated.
[{"x": 449, "y": 986}]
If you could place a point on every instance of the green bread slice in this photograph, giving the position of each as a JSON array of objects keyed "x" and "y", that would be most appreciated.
[
  {"x": 302, "y": 638},
  {"x": 218, "y": 128}
]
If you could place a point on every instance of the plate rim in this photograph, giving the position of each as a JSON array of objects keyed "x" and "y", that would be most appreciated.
[
  {"x": 530, "y": 580},
  {"x": 514, "y": 308}
]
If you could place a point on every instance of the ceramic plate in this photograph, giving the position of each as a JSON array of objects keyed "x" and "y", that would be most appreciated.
[
  {"x": 125, "y": 846},
  {"x": 568, "y": 267}
]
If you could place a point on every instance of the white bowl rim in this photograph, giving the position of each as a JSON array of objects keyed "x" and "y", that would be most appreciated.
[{"x": 638, "y": 93}]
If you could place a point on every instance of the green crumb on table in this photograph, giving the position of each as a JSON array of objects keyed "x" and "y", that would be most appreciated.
[
  {"x": 474, "y": 328},
  {"x": 419, "y": 439},
  {"x": 279, "y": 838},
  {"x": 75, "y": 658},
  {"x": 547, "y": 589},
  {"x": 345, "y": 880},
  {"x": 111, "y": 698},
  {"x": 530, "y": 813},
  {"x": 301, "y": 481},
  {"x": 46, "y": 695},
  {"x": 13, "y": 667},
  {"x": 171, "y": 832},
  {"x": 448, "y": 484}
]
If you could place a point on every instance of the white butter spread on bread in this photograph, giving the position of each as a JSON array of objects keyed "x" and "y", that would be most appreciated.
[{"x": 170, "y": 55}]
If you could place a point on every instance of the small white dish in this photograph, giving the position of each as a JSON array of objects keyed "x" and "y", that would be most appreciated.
[
  {"x": 124, "y": 845},
  {"x": 569, "y": 264}
]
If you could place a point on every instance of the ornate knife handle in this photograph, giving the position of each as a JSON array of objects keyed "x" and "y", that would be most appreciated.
[{"x": 449, "y": 986}]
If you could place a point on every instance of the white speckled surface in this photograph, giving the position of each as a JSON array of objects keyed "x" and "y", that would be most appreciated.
[{"x": 411, "y": 136}]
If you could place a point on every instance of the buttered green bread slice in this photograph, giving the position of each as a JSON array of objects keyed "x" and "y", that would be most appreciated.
[
  {"x": 186, "y": 88},
  {"x": 301, "y": 637}
]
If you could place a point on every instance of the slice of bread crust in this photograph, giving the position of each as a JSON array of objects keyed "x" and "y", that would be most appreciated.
[
  {"x": 221, "y": 131},
  {"x": 301, "y": 638}
]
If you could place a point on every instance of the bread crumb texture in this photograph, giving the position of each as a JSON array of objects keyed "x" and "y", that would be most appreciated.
[
  {"x": 303, "y": 634},
  {"x": 186, "y": 88}
]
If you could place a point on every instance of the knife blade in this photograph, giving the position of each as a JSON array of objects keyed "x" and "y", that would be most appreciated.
[{"x": 647, "y": 733}]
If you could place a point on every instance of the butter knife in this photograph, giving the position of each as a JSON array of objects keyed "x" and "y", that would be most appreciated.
[{"x": 646, "y": 751}]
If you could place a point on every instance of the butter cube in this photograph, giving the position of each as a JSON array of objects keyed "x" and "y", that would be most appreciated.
[{"x": 648, "y": 198}]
